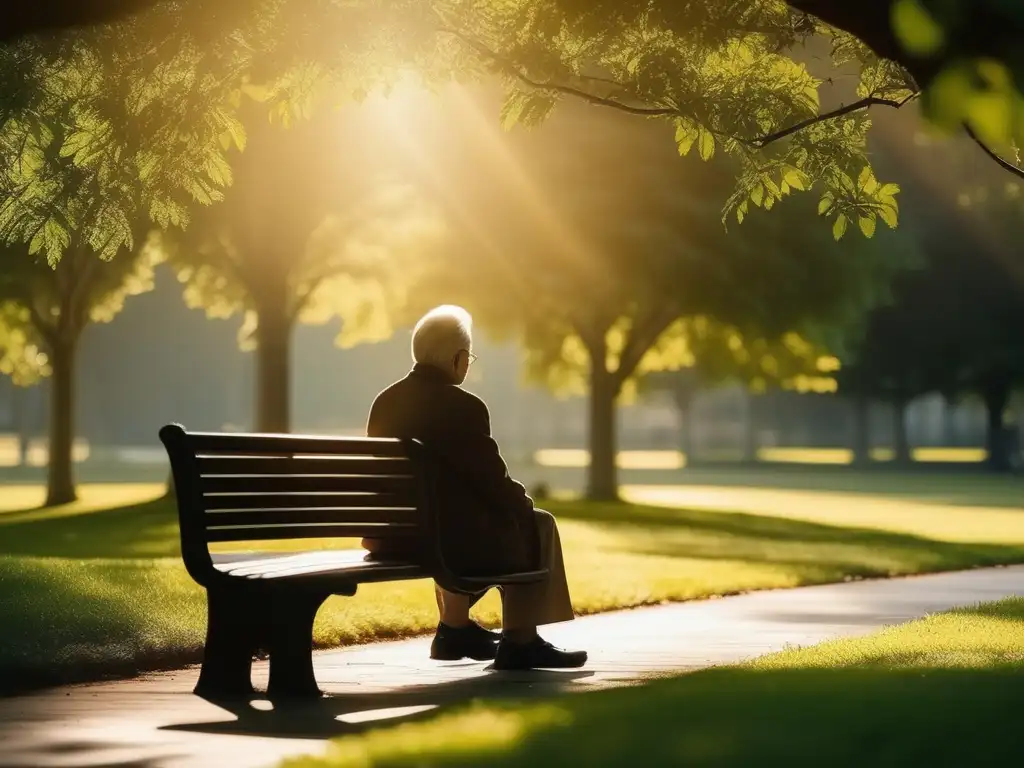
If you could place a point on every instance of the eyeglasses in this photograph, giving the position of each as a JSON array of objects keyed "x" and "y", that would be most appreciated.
[{"x": 472, "y": 357}]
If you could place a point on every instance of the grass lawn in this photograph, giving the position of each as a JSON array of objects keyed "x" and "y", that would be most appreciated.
[
  {"x": 97, "y": 586},
  {"x": 944, "y": 691}
]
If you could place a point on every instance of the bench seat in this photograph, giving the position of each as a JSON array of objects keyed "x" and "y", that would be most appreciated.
[{"x": 347, "y": 565}]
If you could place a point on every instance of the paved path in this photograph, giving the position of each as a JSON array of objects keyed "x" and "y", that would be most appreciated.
[{"x": 155, "y": 722}]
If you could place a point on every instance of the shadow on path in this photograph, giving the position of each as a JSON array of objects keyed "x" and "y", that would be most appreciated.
[{"x": 341, "y": 714}]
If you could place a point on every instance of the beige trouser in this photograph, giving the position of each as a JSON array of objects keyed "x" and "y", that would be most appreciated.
[{"x": 524, "y": 606}]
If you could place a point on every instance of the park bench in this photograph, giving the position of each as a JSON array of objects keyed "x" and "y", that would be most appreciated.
[{"x": 259, "y": 488}]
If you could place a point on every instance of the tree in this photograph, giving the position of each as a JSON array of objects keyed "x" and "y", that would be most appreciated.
[
  {"x": 603, "y": 260},
  {"x": 101, "y": 135},
  {"x": 46, "y": 309},
  {"x": 950, "y": 329},
  {"x": 105, "y": 128},
  {"x": 309, "y": 232},
  {"x": 717, "y": 354}
]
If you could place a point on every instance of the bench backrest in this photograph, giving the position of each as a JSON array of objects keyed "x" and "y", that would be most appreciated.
[{"x": 250, "y": 487}]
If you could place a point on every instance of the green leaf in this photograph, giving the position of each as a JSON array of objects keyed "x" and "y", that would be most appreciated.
[
  {"x": 796, "y": 178},
  {"x": 867, "y": 224},
  {"x": 889, "y": 190},
  {"x": 706, "y": 145},
  {"x": 839, "y": 228},
  {"x": 824, "y": 204},
  {"x": 920, "y": 34},
  {"x": 866, "y": 180},
  {"x": 889, "y": 214},
  {"x": 686, "y": 134},
  {"x": 757, "y": 194}
]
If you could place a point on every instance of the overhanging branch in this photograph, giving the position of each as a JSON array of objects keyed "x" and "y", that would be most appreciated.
[
  {"x": 759, "y": 142},
  {"x": 1006, "y": 165},
  {"x": 854, "y": 106},
  {"x": 514, "y": 69}
]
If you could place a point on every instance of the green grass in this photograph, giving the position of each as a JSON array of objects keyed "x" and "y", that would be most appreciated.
[
  {"x": 946, "y": 690},
  {"x": 97, "y": 586}
]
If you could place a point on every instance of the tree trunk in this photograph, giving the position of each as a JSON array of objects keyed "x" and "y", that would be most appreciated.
[
  {"x": 861, "y": 431},
  {"x": 60, "y": 482},
  {"x": 750, "y": 426},
  {"x": 602, "y": 472},
  {"x": 997, "y": 397},
  {"x": 900, "y": 441},
  {"x": 273, "y": 369},
  {"x": 949, "y": 435},
  {"x": 24, "y": 417},
  {"x": 685, "y": 406}
]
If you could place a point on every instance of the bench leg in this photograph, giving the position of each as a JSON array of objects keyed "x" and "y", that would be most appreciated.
[
  {"x": 290, "y": 635},
  {"x": 232, "y": 639}
]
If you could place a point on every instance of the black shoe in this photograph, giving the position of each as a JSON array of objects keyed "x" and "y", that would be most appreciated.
[
  {"x": 536, "y": 654},
  {"x": 454, "y": 643}
]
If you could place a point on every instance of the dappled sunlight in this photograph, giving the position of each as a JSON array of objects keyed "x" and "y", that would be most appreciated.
[
  {"x": 844, "y": 456},
  {"x": 963, "y": 638},
  {"x": 932, "y": 520},
  {"x": 578, "y": 458},
  {"x": 38, "y": 451},
  {"x": 21, "y": 502},
  {"x": 474, "y": 734}
]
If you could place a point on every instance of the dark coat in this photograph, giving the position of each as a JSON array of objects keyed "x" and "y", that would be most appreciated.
[{"x": 486, "y": 519}]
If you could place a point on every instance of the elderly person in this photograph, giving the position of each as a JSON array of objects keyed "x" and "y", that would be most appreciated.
[{"x": 488, "y": 522}]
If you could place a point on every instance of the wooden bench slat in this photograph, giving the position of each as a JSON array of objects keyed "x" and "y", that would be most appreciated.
[
  {"x": 324, "y": 558},
  {"x": 309, "y": 569},
  {"x": 337, "y": 531},
  {"x": 357, "y": 572},
  {"x": 351, "y": 571},
  {"x": 306, "y": 515},
  {"x": 396, "y": 484},
  {"x": 342, "y": 562},
  {"x": 214, "y": 442},
  {"x": 299, "y": 500},
  {"x": 300, "y": 465}
]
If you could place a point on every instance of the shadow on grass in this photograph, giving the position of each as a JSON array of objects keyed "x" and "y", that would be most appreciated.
[
  {"x": 831, "y": 552},
  {"x": 145, "y": 530}
]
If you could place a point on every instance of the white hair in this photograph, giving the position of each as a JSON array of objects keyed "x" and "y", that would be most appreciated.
[{"x": 441, "y": 334}]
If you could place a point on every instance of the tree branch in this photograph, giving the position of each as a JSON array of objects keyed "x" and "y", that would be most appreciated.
[
  {"x": 759, "y": 142},
  {"x": 854, "y": 106},
  {"x": 1006, "y": 165},
  {"x": 516, "y": 71},
  {"x": 303, "y": 299},
  {"x": 642, "y": 337}
]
